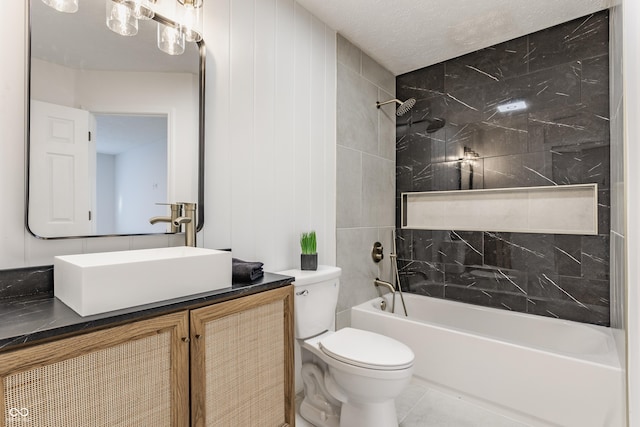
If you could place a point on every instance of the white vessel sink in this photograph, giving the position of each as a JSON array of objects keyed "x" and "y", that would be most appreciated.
[{"x": 100, "y": 282}]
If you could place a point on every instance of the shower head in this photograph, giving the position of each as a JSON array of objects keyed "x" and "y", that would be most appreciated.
[
  {"x": 433, "y": 125},
  {"x": 403, "y": 107}
]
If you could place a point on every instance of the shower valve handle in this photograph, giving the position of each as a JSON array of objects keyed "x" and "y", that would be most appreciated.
[{"x": 376, "y": 252}]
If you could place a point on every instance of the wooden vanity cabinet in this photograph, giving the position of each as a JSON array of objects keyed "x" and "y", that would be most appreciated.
[
  {"x": 131, "y": 375},
  {"x": 238, "y": 355},
  {"x": 242, "y": 362}
]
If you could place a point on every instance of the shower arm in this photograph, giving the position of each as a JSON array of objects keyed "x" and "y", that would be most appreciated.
[
  {"x": 380, "y": 104},
  {"x": 403, "y": 107}
]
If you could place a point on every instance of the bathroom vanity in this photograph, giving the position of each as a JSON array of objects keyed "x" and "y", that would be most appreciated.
[{"x": 219, "y": 358}]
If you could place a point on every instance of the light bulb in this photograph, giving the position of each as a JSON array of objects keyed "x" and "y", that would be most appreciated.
[
  {"x": 170, "y": 39},
  {"x": 191, "y": 3},
  {"x": 141, "y": 8},
  {"x": 190, "y": 23},
  {"x": 120, "y": 19},
  {"x": 67, "y": 6}
]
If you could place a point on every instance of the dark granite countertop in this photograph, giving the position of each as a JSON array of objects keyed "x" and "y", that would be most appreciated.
[{"x": 42, "y": 317}]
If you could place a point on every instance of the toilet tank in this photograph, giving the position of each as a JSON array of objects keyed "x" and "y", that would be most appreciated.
[{"x": 316, "y": 297}]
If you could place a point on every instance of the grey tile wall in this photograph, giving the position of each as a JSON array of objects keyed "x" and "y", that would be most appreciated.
[
  {"x": 562, "y": 137},
  {"x": 365, "y": 174}
]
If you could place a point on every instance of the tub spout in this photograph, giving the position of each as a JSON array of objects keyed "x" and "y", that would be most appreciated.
[
  {"x": 390, "y": 288},
  {"x": 384, "y": 284}
]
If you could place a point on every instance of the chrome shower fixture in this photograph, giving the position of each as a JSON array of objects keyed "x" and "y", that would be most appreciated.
[
  {"x": 434, "y": 124},
  {"x": 403, "y": 107}
]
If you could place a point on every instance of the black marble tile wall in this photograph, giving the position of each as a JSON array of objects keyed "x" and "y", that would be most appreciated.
[
  {"x": 562, "y": 137},
  {"x": 26, "y": 282}
]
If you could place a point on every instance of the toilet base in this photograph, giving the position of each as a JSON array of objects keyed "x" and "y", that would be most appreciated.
[
  {"x": 318, "y": 406},
  {"x": 381, "y": 414},
  {"x": 318, "y": 417},
  {"x": 351, "y": 415}
]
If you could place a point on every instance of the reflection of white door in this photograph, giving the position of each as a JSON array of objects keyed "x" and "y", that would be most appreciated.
[{"x": 59, "y": 183}]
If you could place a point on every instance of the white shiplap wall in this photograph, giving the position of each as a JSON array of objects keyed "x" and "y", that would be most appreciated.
[
  {"x": 270, "y": 137},
  {"x": 271, "y": 69}
]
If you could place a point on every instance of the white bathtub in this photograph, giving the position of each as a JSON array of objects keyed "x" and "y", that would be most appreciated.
[{"x": 535, "y": 369}]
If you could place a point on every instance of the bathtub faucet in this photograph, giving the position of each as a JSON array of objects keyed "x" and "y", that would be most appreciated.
[
  {"x": 391, "y": 289},
  {"x": 384, "y": 284}
]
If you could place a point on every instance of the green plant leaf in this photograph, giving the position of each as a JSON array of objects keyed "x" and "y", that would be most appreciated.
[{"x": 308, "y": 243}]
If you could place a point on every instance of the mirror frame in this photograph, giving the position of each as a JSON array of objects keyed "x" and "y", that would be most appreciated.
[{"x": 201, "y": 136}]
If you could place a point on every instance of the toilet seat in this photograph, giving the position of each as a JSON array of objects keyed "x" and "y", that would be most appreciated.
[{"x": 367, "y": 350}]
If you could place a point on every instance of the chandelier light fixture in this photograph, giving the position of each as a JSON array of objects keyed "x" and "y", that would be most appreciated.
[{"x": 179, "y": 21}]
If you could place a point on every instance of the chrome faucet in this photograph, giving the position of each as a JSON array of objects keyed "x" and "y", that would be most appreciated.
[
  {"x": 176, "y": 211},
  {"x": 181, "y": 213}
]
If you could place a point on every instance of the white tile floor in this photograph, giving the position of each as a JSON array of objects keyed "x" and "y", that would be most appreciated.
[{"x": 421, "y": 406}]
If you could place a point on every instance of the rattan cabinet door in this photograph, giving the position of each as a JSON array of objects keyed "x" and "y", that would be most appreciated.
[
  {"x": 130, "y": 375},
  {"x": 242, "y": 362}
]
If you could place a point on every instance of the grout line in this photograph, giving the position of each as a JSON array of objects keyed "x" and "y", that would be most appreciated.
[{"x": 415, "y": 405}]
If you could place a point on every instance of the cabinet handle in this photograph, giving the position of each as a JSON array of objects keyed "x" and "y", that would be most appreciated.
[
  {"x": 198, "y": 336},
  {"x": 303, "y": 293},
  {"x": 185, "y": 339}
]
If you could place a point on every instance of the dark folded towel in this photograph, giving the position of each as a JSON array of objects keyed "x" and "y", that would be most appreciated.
[{"x": 245, "y": 271}]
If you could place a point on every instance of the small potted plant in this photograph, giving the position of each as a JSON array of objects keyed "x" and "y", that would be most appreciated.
[{"x": 309, "y": 256}]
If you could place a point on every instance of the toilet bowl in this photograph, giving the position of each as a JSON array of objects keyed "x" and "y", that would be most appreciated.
[
  {"x": 366, "y": 372},
  {"x": 350, "y": 377}
]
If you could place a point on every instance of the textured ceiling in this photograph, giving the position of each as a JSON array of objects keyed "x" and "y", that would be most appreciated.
[{"x": 404, "y": 35}]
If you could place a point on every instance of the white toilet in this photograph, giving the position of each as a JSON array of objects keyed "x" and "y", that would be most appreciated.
[{"x": 351, "y": 377}]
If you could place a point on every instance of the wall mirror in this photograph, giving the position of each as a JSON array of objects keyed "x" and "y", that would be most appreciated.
[{"x": 115, "y": 126}]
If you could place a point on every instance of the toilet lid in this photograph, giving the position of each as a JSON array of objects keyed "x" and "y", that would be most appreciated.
[{"x": 367, "y": 349}]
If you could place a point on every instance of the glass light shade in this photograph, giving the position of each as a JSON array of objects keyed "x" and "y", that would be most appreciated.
[
  {"x": 191, "y": 3},
  {"x": 141, "y": 8},
  {"x": 170, "y": 39},
  {"x": 67, "y": 6},
  {"x": 120, "y": 19},
  {"x": 191, "y": 23}
]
